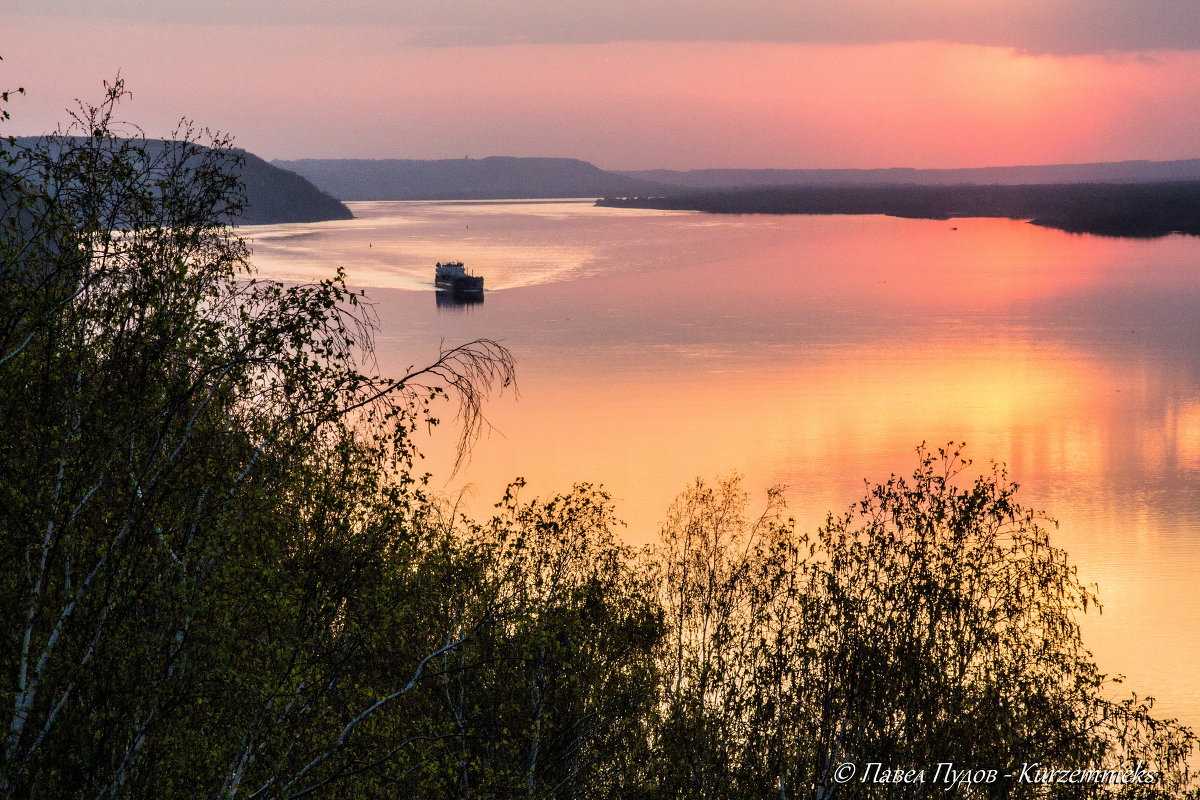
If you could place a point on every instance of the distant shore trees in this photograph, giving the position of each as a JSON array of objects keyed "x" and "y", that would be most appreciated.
[
  {"x": 221, "y": 575},
  {"x": 1139, "y": 210}
]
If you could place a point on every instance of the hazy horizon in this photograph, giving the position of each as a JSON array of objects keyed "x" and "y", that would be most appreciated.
[{"x": 723, "y": 168}]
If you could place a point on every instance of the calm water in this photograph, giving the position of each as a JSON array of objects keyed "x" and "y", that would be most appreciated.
[{"x": 815, "y": 352}]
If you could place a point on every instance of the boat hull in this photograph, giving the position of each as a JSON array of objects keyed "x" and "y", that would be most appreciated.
[{"x": 460, "y": 283}]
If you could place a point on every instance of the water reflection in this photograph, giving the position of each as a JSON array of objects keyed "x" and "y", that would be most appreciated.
[
  {"x": 816, "y": 352},
  {"x": 451, "y": 300}
]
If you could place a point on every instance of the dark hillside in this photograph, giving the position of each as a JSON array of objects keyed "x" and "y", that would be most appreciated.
[
  {"x": 278, "y": 195},
  {"x": 272, "y": 194}
]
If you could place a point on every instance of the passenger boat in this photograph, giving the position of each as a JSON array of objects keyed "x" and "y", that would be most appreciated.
[{"x": 453, "y": 276}]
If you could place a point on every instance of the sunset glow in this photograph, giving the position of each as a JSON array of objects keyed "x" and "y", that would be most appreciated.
[
  {"x": 292, "y": 91},
  {"x": 591, "y": 399}
]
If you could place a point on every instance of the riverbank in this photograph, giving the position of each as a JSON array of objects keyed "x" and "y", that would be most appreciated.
[{"x": 1143, "y": 210}]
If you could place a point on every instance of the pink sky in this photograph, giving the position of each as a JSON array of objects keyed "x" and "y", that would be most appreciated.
[{"x": 634, "y": 93}]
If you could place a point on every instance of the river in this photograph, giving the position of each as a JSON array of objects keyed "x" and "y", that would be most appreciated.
[{"x": 814, "y": 353}]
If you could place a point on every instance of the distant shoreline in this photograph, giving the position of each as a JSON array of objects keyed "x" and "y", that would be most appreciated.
[{"x": 1143, "y": 210}]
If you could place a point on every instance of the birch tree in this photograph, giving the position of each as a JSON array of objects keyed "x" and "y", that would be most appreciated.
[{"x": 199, "y": 480}]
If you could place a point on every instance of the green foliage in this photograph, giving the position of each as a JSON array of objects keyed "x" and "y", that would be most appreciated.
[
  {"x": 552, "y": 695},
  {"x": 202, "y": 489}
]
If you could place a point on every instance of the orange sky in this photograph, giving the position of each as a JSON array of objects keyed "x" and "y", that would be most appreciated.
[{"x": 305, "y": 87}]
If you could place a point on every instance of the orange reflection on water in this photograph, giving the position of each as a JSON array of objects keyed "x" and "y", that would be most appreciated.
[{"x": 822, "y": 422}]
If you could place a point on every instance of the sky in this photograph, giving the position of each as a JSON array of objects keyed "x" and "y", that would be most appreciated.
[{"x": 631, "y": 84}]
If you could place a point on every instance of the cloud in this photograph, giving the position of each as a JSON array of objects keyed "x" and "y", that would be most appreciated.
[{"x": 1061, "y": 27}]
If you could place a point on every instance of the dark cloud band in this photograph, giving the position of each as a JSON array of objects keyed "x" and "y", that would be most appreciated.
[{"x": 1037, "y": 26}]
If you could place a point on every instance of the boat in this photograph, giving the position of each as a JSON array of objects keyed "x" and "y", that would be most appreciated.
[{"x": 453, "y": 276}]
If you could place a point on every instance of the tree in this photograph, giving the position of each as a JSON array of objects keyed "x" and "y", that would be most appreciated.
[
  {"x": 711, "y": 560},
  {"x": 200, "y": 482},
  {"x": 948, "y": 632},
  {"x": 552, "y": 697},
  {"x": 933, "y": 622}
]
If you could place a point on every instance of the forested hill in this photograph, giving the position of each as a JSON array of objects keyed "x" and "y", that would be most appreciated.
[
  {"x": 273, "y": 194},
  {"x": 1103, "y": 172},
  {"x": 491, "y": 178}
]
